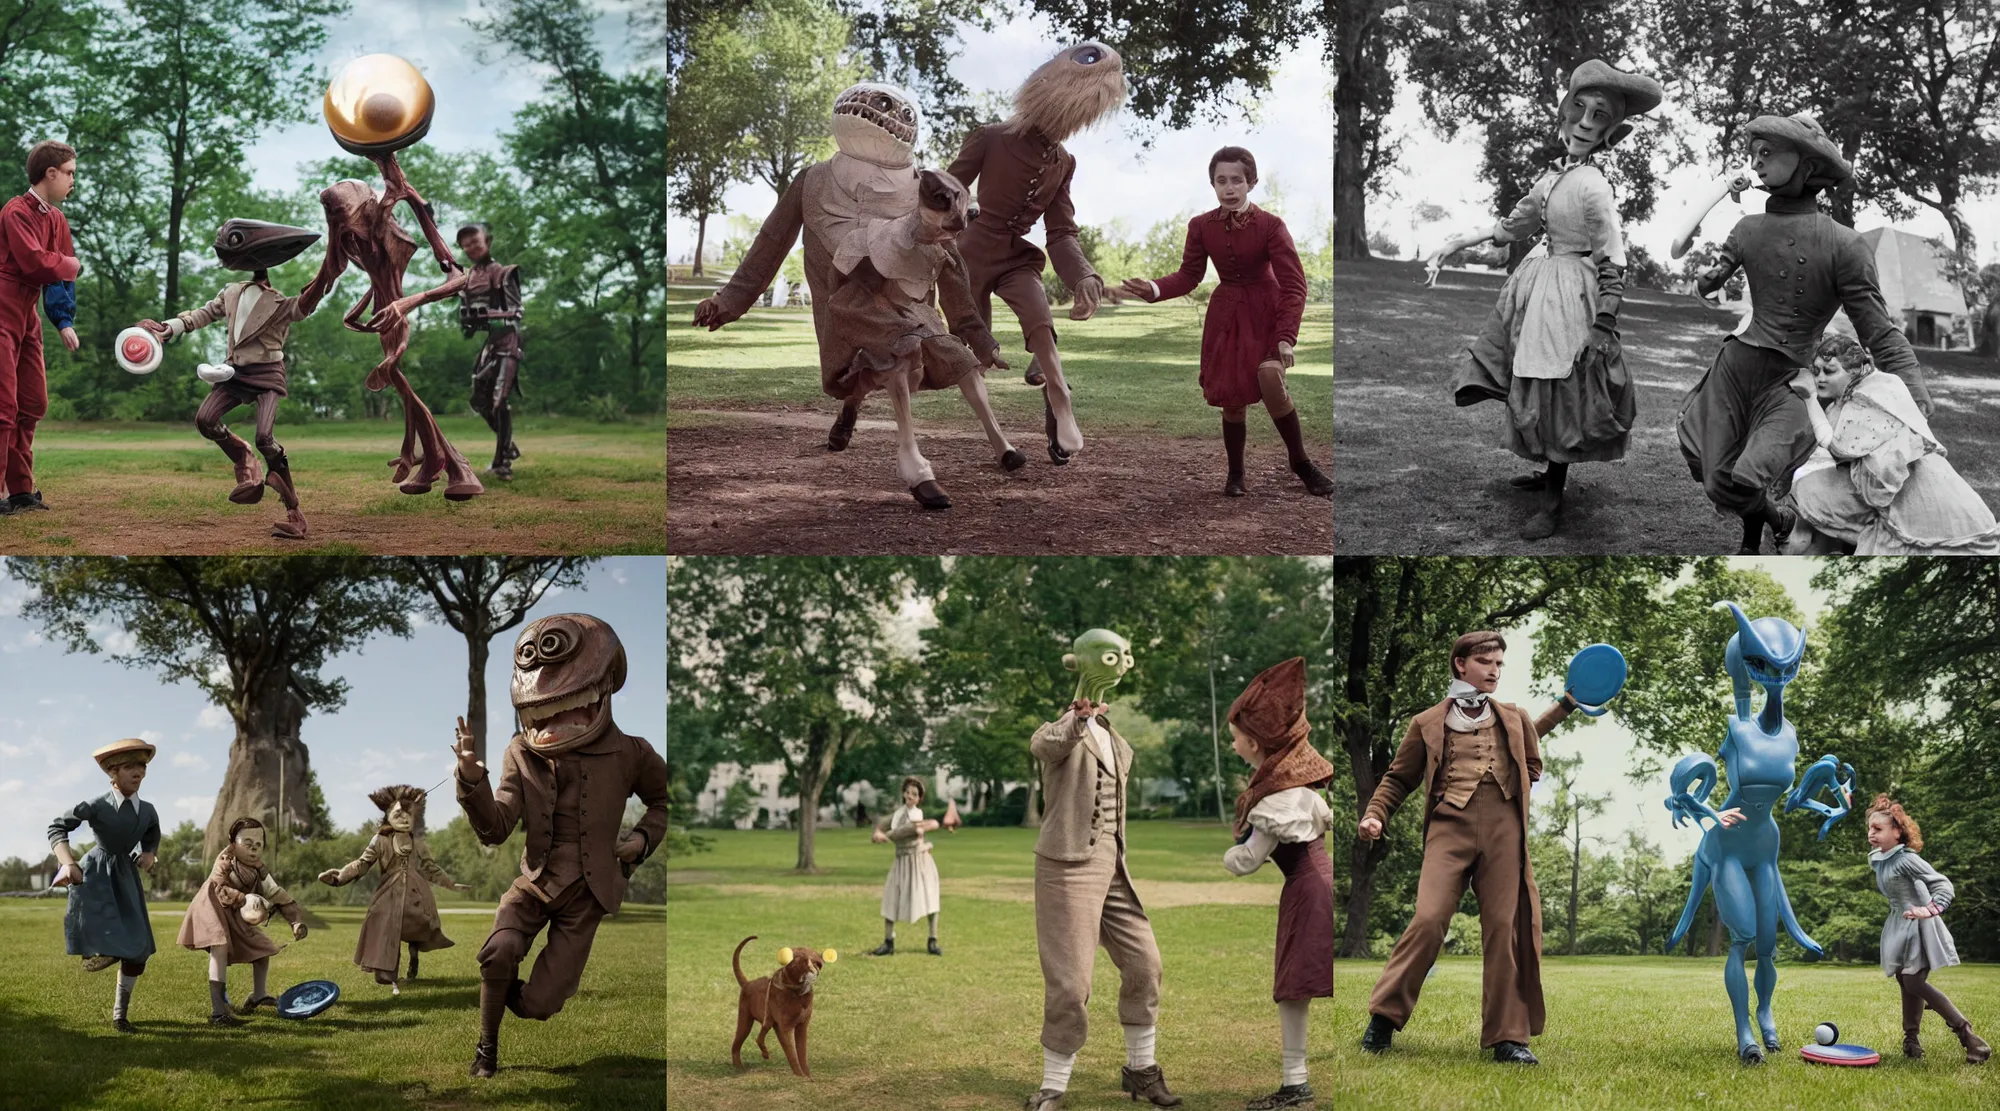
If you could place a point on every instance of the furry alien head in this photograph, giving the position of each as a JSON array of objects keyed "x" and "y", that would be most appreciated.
[
  {"x": 1100, "y": 658},
  {"x": 402, "y": 808},
  {"x": 1070, "y": 91},
  {"x": 566, "y": 667},
  {"x": 876, "y": 123}
]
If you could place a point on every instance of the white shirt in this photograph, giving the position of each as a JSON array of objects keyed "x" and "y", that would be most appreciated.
[{"x": 1283, "y": 817}]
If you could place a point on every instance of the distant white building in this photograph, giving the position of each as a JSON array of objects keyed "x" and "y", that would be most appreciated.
[
  {"x": 1919, "y": 295},
  {"x": 779, "y": 808}
]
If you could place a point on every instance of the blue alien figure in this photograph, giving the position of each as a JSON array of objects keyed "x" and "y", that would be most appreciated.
[{"x": 1738, "y": 856}]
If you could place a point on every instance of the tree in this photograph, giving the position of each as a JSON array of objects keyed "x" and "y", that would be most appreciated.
[
  {"x": 1394, "y": 620},
  {"x": 1651, "y": 893},
  {"x": 482, "y": 597},
  {"x": 251, "y": 633},
  {"x": 788, "y": 659},
  {"x": 1564, "y": 816},
  {"x": 203, "y": 78},
  {"x": 594, "y": 147},
  {"x": 1364, "y": 91},
  {"x": 795, "y": 63},
  {"x": 707, "y": 100}
]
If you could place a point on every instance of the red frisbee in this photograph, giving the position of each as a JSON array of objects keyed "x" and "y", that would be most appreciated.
[{"x": 1854, "y": 1056}]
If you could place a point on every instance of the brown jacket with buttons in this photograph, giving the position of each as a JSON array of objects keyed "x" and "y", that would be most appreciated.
[
  {"x": 615, "y": 767},
  {"x": 1418, "y": 758},
  {"x": 1021, "y": 178},
  {"x": 1802, "y": 267},
  {"x": 1069, "y": 764}
]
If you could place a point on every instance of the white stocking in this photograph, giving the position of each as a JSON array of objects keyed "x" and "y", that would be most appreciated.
[
  {"x": 1292, "y": 1021},
  {"x": 973, "y": 386},
  {"x": 911, "y": 466},
  {"x": 218, "y": 963},
  {"x": 1139, "y": 1046},
  {"x": 1056, "y": 1068}
]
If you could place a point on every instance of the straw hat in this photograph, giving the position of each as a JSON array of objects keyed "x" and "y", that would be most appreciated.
[
  {"x": 131, "y": 750},
  {"x": 1641, "y": 94},
  {"x": 1804, "y": 134}
]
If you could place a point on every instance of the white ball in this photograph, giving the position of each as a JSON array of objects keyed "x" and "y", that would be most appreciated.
[
  {"x": 213, "y": 373},
  {"x": 1826, "y": 1033}
]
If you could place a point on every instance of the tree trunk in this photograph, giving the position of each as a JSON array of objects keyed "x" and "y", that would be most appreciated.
[
  {"x": 267, "y": 736},
  {"x": 1350, "y": 182},
  {"x": 1715, "y": 938},
  {"x": 700, "y": 240},
  {"x": 1988, "y": 339},
  {"x": 1575, "y": 876},
  {"x": 476, "y": 652},
  {"x": 813, "y": 772}
]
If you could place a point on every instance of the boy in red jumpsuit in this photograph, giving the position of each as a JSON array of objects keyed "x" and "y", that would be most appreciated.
[{"x": 35, "y": 251}]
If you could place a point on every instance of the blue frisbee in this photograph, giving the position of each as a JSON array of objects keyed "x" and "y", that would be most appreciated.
[
  {"x": 1853, "y": 1056},
  {"x": 308, "y": 999},
  {"x": 1596, "y": 675}
]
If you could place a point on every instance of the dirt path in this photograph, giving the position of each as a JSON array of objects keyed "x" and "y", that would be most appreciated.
[
  {"x": 1417, "y": 475},
  {"x": 762, "y": 482}
]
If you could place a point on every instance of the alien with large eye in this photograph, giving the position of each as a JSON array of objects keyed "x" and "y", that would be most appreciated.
[{"x": 1021, "y": 173}]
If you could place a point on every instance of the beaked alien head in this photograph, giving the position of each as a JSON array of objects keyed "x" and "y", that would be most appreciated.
[
  {"x": 566, "y": 667},
  {"x": 1100, "y": 658},
  {"x": 877, "y": 123},
  {"x": 257, "y": 245},
  {"x": 1768, "y": 648}
]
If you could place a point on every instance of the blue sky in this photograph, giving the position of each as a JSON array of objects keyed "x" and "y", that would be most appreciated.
[
  {"x": 395, "y": 728},
  {"x": 475, "y": 100}
]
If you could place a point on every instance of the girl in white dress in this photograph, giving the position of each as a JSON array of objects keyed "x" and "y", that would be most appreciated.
[{"x": 911, "y": 891}]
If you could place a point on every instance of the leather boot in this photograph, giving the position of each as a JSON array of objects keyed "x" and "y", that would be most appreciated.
[
  {"x": 1234, "y": 436},
  {"x": 842, "y": 431},
  {"x": 1149, "y": 1084},
  {"x": 413, "y": 962},
  {"x": 485, "y": 1059},
  {"x": 218, "y": 1006},
  {"x": 1379, "y": 1034},
  {"x": 1976, "y": 1049}
]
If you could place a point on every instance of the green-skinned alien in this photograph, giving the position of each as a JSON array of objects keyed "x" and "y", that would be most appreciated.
[{"x": 1100, "y": 658}]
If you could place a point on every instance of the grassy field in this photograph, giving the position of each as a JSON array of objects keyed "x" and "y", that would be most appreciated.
[
  {"x": 750, "y": 472},
  {"x": 961, "y": 1031},
  {"x": 116, "y": 488},
  {"x": 369, "y": 1052},
  {"x": 1418, "y": 475}
]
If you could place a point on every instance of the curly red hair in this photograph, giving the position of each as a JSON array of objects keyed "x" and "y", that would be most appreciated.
[{"x": 1898, "y": 817}]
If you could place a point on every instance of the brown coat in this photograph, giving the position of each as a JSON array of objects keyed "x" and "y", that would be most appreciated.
[
  {"x": 215, "y": 916},
  {"x": 1069, "y": 785},
  {"x": 402, "y": 908},
  {"x": 1018, "y": 179},
  {"x": 849, "y": 325},
  {"x": 616, "y": 765},
  {"x": 263, "y": 332},
  {"x": 1415, "y": 768}
]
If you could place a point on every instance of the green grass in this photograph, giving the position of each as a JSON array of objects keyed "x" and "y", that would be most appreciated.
[
  {"x": 1134, "y": 367},
  {"x": 368, "y": 1052},
  {"x": 580, "y": 486},
  {"x": 916, "y": 1031}
]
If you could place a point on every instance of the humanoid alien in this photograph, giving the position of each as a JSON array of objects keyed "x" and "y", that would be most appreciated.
[
  {"x": 874, "y": 222},
  {"x": 1083, "y": 894},
  {"x": 1021, "y": 173},
  {"x": 564, "y": 780},
  {"x": 402, "y": 909},
  {"x": 1738, "y": 855},
  {"x": 257, "y": 319},
  {"x": 226, "y": 920},
  {"x": 490, "y": 302}
]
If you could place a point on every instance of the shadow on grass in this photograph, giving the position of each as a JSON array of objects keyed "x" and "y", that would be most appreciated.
[{"x": 609, "y": 1082}]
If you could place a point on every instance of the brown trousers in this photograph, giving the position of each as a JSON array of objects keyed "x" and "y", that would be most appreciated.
[
  {"x": 1481, "y": 843},
  {"x": 1079, "y": 906},
  {"x": 571, "y": 919}
]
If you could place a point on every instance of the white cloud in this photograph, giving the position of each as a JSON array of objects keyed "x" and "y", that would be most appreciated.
[
  {"x": 195, "y": 806},
  {"x": 214, "y": 717},
  {"x": 10, "y": 787},
  {"x": 186, "y": 759},
  {"x": 618, "y": 576},
  {"x": 151, "y": 736},
  {"x": 218, "y": 672}
]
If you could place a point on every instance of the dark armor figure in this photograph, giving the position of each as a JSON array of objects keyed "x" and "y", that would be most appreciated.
[{"x": 490, "y": 302}]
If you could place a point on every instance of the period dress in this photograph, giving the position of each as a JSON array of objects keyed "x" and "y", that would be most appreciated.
[
  {"x": 1882, "y": 483},
  {"x": 1289, "y": 827},
  {"x": 1912, "y": 944},
  {"x": 106, "y": 915},
  {"x": 911, "y": 891},
  {"x": 1526, "y": 355},
  {"x": 402, "y": 908},
  {"x": 214, "y": 917},
  {"x": 1258, "y": 303}
]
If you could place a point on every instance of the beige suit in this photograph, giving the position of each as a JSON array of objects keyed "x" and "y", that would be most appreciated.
[
  {"x": 1083, "y": 894},
  {"x": 255, "y": 336}
]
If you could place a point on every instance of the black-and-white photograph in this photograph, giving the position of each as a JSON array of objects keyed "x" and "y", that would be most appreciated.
[{"x": 1691, "y": 277}]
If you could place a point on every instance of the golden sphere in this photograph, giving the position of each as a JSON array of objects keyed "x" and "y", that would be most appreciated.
[{"x": 378, "y": 104}]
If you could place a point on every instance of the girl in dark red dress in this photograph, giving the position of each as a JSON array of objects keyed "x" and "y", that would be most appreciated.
[
  {"x": 1252, "y": 325},
  {"x": 1281, "y": 816}
]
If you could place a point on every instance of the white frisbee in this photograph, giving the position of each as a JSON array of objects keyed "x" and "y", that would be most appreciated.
[{"x": 138, "y": 351}]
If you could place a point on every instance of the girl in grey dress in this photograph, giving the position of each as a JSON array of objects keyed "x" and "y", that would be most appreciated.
[{"x": 1914, "y": 938}]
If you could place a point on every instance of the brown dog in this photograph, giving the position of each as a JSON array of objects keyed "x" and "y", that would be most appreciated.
[{"x": 782, "y": 1001}]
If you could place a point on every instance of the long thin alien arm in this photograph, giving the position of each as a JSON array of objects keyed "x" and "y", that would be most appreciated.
[
  {"x": 1829, "y": 772},
  {"x": 1692, "y": 781},
  {"x": 330, "y": 269}
]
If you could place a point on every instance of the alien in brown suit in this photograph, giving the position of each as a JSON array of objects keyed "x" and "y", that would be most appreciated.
[{"x": 565, "y": 779}]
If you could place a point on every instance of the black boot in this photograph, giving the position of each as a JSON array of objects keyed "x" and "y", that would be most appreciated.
[
  {"x": 1291, "y": 1095},
  {"x": 1753, "y": 534},
  {"x": 886, "y": 949},
  {"x": 1149, "y": 1084},
  {"x": 1317, "y": 484},
  {"x": 842, "y": 431},
  {"x": 934, "y": 950},
  {"x": 485, "y": 1059},
  {"x": 1379, "y": 1034},
  {"x": 218, "y": 1006},
  {"x": 492, "y": 1007},
  {"x": 1234, "y": 435},
  {"x": 1056, "y": 453},
  {"x": 413, "y": 962},
  {"x": 1513, "y": 1053}
]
